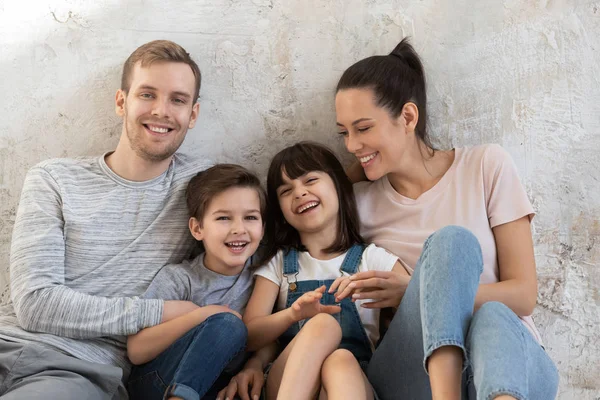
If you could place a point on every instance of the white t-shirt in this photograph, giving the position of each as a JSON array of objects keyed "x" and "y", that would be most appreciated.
[{"x": 309, "y": 268}]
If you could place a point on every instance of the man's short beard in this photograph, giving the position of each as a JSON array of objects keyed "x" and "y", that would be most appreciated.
[{"x": 140, "y": 151}]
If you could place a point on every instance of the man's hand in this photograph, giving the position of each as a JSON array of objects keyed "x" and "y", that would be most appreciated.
[
  {"x": 247, "y": 384},
  {"x": 176, "y": 308},
  {"x": 309, "y": 305}
]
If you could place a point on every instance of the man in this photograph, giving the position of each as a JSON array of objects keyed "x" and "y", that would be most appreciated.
[{"x": 91, "y": 233}]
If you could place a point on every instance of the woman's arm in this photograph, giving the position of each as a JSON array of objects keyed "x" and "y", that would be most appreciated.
[
  {"x": 150, "y": 342},
  {"x": 517, "y": 288}
]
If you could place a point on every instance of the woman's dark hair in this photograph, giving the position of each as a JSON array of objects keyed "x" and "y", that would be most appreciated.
[
  {"x": 396, "y": 79},
  {"x": 296, "y": 161}
]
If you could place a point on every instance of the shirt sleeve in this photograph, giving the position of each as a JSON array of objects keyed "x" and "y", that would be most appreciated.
[
  {"x": 378, "y": 259},
  {"x": 506, "y": 199},
  {"x": 273, "y": 270},
  {"x": 42, "y": 300},
  {"x": 171, "y": 283}
]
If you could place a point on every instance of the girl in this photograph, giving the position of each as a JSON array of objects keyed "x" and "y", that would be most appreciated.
[
  {"x": 463, "y": 324},
  {"x": 313, "y": 246}
]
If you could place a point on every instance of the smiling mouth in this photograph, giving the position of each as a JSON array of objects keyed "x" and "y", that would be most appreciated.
[
  {"x": 308, "y": 206},
  {"x": 237, "y": 247},
  {"x": 366, "y": 159},
  {"x": 157, "y": 129}
]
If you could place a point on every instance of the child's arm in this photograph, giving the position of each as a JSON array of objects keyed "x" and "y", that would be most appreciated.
[
  {"x": 150, "y": 342},
  {"x": 265, "y": 327}
]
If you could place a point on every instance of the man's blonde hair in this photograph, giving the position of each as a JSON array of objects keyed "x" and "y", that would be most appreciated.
[{"x": 159, "y": 51}]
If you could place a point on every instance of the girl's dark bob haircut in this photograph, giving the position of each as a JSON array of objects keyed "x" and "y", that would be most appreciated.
[{"x": 296, "y": 161}]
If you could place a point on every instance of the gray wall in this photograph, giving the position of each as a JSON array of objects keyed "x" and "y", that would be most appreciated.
[{"x": 524, "y": 74}]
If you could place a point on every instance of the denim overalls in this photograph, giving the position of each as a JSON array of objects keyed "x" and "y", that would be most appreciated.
[{"x": 354, "y": 337}]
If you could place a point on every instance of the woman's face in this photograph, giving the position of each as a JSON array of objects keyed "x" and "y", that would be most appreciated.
[{"x": 376, "y": 139}]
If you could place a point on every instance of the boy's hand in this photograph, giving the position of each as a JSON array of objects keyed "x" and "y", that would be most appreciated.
[
  {"x": 309, "y": 305},
  {"x": 176, "y": 308},
  {"x": 207, "y": 311},
  {"x": 251, "y": 376}
]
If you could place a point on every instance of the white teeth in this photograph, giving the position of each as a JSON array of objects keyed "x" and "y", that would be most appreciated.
[
  {"x": 367, "y": 158},
  {"x": 307, "y": 206},
  {"x": 236, "y": 244},
  {"x": 158, "y": 129}
]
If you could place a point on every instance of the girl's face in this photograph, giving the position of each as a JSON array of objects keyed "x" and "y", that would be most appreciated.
[
  {"x": 310, "y": 202},
  {"x": 376, "y": 139}
]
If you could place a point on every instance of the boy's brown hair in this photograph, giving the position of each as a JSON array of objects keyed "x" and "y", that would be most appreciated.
[
  {"x": 209, "y": 183},
  {"x": 159, "y": 51}
]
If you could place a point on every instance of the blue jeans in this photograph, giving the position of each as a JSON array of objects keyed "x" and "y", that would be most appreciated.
[
  {"x": 190, "y": 367},
  {"x": 501, "y": 356}
]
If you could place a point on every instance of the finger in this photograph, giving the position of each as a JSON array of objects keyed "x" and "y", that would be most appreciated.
[
  {"x": 372, "y": 283},
  {"x": 342, "y": 295},
  {"x": 335, "y": 284},
  {"x": 379, "y": 304},
  {"x": 373, "y": 295},
  {"x": 320, "y": 290},
  {"x": 331, "y": 309},
  {"x": 344, "y": 284},
  {"x": 257, "y": 385},
  {"x": 243, "y": 386},
  {"x": 372, "y": 274}
]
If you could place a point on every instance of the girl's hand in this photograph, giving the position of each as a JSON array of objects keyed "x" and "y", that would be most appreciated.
[
  {"x": 213, "y": 309},
  {"x": 247, "y": 384},
  {"x": 340, "y": 287},
  {"x": 384, "y": 288},
  {"x": 309, "y": 305}
]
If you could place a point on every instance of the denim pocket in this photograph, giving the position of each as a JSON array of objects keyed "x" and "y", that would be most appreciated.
[{"x": 147, "y": 387}]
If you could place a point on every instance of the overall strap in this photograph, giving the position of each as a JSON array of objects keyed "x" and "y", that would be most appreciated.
[
  {"x": 352, "y": 259},
  {"x": 290, "y": 262}
]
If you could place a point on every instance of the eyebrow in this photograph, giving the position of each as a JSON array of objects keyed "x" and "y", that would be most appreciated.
[
  {"x": 228, "y": 211},
  {"x": 358, "y": 121},
  {"x": 177, "y": 93}
]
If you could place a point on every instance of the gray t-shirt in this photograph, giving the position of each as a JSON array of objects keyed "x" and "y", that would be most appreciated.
[{"x": 192, "y": 281}]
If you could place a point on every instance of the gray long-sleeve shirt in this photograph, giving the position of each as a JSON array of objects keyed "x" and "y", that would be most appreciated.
[{"x": 86, "y": 244}]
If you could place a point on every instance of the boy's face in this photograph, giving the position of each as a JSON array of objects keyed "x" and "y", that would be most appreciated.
[
  {"x": 158, "y": 109},
  {"x": 231, "y": 230}
]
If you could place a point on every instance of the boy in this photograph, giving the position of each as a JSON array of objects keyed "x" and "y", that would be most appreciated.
[{"x": 183, "y": 357}]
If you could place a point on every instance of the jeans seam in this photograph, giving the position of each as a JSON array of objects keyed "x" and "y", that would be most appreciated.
[
  {"x": 442, "y": 343},
  {"x": 513, "y": 393}
]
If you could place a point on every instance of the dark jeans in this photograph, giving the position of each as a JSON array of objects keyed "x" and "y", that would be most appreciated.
[{"x": 192, "y": 367}]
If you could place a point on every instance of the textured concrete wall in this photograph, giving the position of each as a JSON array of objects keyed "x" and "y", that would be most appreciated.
[{"x": 525, "y": 74}]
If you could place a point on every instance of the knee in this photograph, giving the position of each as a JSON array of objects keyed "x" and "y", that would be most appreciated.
[
  {"x": 227, "y": 325},
  {"x": 339, "y": 359},
  {"x": 457, "y": 243},
  {"x": 491, "y": 319},
  {"x": 323, "y": 325}
]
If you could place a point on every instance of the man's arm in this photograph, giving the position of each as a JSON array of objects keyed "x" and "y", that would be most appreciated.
[{"x": 37, "y": 272}]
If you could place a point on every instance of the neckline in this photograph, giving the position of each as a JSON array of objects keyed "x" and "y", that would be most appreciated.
[
  {"x": 430, "y": 194},
  {"x": 132, "y": 184}
]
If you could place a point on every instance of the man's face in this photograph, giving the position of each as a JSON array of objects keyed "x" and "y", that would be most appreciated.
[{"x": 158, "y": 109}]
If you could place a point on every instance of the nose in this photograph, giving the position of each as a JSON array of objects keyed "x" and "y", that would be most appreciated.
[
  {"x": 352, "y": 142},
  {"x": 238, "y": 226},
  {"x": 160, "y": 108},
  {"x": 300, "y": 191}
]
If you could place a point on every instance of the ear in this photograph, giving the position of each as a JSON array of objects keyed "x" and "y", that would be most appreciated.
[
  {"x": 196, "y": 229},
  {"x": 194, "y": 117},
  {"x": 120, "y": 98},
  {"x": 409, "y": 116}
]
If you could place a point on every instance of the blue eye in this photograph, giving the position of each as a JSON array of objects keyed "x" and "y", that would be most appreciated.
[
  {"x": 252, "y": 218},
  {"x": 222, "y": 218},
  {"x": 146, "y": 96}
]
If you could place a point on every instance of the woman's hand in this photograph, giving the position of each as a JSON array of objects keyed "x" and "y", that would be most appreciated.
[
  {"x": 383, "y": 288},
  {"x": 250, "y": 377}
]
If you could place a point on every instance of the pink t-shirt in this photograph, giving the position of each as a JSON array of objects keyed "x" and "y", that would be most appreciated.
[{"x": 481, "y": 190}]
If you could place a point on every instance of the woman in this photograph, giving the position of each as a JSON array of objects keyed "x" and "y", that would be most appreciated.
[{"x": 460, "y": 221}]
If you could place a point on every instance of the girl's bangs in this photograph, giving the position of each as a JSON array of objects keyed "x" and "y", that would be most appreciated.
[{"x": 296, "y": 161}]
